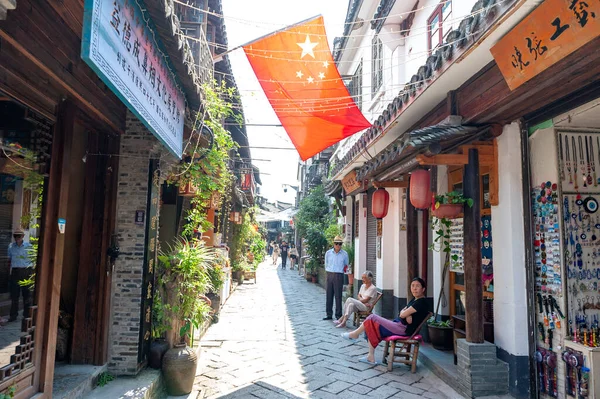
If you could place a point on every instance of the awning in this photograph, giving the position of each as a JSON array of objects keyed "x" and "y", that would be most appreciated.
[{"x": 415, "y": 139}]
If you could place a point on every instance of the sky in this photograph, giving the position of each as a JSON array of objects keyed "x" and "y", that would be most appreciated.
[{"x": 246, "y": 20}]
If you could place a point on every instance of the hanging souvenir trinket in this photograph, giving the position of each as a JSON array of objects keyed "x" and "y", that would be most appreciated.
[
  {"x": 593, "y": 161},
  {"x": 587, "y": 160},
  {"x": 574, "y": 146},
  {"x": 568, "y": 159},
  {"x": 582, "y": 161}
]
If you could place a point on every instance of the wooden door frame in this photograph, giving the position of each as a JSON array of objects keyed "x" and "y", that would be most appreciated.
[{"x": 49, "y": 272}]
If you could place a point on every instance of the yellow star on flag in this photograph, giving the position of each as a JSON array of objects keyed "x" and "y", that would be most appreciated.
[{"x": 307, "y": 47}]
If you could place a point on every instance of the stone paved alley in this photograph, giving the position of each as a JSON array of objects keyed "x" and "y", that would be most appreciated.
[{"x": 271, "y": 342}]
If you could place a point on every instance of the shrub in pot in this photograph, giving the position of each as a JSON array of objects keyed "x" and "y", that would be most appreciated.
[
  {"x": 440, "y": 334},
  {"x": 183, "y": 275}
]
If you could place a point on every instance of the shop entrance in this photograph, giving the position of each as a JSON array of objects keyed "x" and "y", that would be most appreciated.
[
  {"x": 86, "y": 276},
  {"x": 25, "y": 147}
]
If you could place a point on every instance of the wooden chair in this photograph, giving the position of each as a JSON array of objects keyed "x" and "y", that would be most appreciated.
[
  {"x": 405, "y": 348},
  {"x": 360, "y": 316}
]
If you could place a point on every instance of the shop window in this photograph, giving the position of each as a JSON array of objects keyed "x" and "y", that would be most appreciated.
[
  {"x": 376, "y": 65},
  {"x": 439, "y": 24},
  {"x": 355, "y": 86}
]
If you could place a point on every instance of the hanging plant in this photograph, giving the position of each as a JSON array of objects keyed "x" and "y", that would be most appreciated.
[
  {"x": 206, "y": 168},
  {"x": 445, "y": 208}
]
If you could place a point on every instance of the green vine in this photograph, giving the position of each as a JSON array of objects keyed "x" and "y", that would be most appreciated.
[
  {"x": 247, "y": 239},
  {"x": 208, "y": 170},
  {"x": 441, "y": 226},
  {"x": 9, "y": 394}
]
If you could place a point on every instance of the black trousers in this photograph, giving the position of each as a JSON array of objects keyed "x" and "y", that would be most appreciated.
[
  {"x": 17, "y": 275},
  {"x": 335, "y": 285},
  {"x": 283, "y": 260}
]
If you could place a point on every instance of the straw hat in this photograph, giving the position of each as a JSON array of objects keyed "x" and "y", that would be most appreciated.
[{"x": 338, "y": 239}]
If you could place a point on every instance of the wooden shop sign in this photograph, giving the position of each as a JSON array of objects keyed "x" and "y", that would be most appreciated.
[
  {"x": 350, "y": 183},
  {"x": 550, "y": 33}
]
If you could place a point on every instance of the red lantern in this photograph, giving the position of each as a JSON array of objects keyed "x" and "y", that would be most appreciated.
[
  {"x": 420, "y": 189},
  {"x": 379, "y": 203}
]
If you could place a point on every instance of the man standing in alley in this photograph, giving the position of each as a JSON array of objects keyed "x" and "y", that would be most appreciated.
[
  {"x": 285, "y": 249},
  {"x": 21, "y": 268},
  {"x": 336, "y": 259}
]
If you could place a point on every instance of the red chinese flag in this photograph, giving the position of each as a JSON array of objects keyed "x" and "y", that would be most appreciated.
[{"x": 297, "y": 73}]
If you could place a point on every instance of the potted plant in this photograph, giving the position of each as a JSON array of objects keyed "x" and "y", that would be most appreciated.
[
  {"x": 217, "y": 279},
  {"x": 440, "y": 333},
  {"x": 183, "y": 276},
  {"x": 449, "y": 205}
]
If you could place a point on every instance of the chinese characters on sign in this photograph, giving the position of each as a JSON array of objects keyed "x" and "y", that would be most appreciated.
[
  {"x": 350, "y": 183},
  {"x": 551, "y": 32},
  {"x": 120, "y": 47}
]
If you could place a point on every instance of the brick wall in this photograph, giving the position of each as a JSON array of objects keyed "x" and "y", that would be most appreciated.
[{"x": 138, "y": 145}]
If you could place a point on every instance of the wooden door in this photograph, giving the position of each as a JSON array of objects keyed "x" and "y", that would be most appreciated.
[{"x": 91, "y": 317}]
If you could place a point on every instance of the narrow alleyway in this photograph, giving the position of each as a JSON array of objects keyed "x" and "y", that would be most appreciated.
[{"x": 271, "y": 342}]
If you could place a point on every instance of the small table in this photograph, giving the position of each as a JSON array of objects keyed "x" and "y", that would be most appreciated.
[{"x": 459, "y": 330}]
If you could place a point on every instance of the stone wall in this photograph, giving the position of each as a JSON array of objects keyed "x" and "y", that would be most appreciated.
[
  {"x": 482, "y": 374},
  {"x": 138, "y": 146}
]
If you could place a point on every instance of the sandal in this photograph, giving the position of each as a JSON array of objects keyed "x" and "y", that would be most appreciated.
[{"x": 348, "y": 337}]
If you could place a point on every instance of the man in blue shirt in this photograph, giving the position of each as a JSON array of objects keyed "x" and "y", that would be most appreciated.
[
  {"x": 336, "y": 260},
  {"x": 21, "y": 268}
]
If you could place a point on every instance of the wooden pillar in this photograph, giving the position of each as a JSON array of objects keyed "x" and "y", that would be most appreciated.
[
  {"x": 49, "y": 272},
  {"x": 412, "y": 242},
  {"x": 472, "y": 251}
]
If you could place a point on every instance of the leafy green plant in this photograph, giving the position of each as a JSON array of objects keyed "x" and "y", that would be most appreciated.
[
  {"x": 104, "y": 378},
  {"x": 9, "y": 394},
  {"x": 183, "y": 278},
  {"x": 208, "y": 170},
  {"x": 439, "y": 323},
  {"x": 332, "y": 231},
  {"x": 349, "y": 248},
  {"x": 441, "y": 226},
  {"x": 453, "y": 197},
  {"x": 312, "y": 220}
]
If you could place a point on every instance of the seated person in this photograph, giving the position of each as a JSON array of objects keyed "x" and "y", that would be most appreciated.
[
  {"x": 377, "y": 328},
  {"x": 367, "y": 295}
]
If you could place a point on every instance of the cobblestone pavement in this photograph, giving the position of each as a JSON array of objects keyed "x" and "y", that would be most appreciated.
[{"x": 271, "y": 342}]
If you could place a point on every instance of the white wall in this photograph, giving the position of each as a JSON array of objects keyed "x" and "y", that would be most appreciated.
[
  {"x": 510, "y": 290},
  {"x": 360, "y": 243},
  {"x": 390, "y": 252}
]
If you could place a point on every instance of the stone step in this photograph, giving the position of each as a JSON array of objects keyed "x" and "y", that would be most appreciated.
[
  {"x": 75, "y": 381},
  {"x": 146, "y": 385}
]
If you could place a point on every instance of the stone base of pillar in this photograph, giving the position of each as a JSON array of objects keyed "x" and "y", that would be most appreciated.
[{"x": 481, "y": 372}]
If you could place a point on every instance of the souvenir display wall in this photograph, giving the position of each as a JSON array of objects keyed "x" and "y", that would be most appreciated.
[{"x": 456, "y": 248}]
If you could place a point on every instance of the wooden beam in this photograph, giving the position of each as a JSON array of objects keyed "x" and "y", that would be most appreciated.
[
  {"x": 412, "y": 243},
  {"x": 472, "y": 252},
  {"x": 452, "y": 159},
  {"x": 494, "y": 180},
  {"x": 390, "y": 183}
]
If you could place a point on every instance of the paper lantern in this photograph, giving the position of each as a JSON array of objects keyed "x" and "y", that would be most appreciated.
[
  {"x": 420, "y": 189},
  {"x": 379, "y": 203},
  {"x": 187, "y": 189}
]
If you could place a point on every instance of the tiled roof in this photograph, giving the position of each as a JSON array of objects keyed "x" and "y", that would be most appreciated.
[
  {"x": 340, "y": 42},
  {"x": 470, "y": 29},
  {"x": 162, "y": 13},
  {"x": 416, "y": 138},
  {"x": 385, "y": 6}
]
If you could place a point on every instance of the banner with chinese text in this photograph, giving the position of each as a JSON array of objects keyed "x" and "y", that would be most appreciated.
[
  {"x": 120, "y": 46},
  {"x": 552, "y": 31}
]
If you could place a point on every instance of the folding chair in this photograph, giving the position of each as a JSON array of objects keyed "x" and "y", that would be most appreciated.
[
  {"x": 360, "y": 316},
  {"x": 406, "y": 348}
]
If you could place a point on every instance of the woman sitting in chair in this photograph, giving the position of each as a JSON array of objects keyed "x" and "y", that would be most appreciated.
[
  {"x": 367, "y": 295},
  {"x": 377, "y": 328}
]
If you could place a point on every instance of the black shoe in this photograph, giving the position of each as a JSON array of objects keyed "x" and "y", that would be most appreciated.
[
  {"x": 328, "y": 318},
  {"x": 12, "y": 319}
]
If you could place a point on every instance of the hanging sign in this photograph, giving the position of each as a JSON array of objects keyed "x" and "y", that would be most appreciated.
[
  {"x": 119, "y": 45},
  {"x": 350, "y": 183},
  {"x": 552, "y": 31}
]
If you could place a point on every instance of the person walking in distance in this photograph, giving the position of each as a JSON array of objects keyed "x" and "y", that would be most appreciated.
[
  {"x": 336, "y": 259},
  {"x": 21, "y": 268},
  {"x": 275, "y": 253},
  {"x": 293, "y": 256},
  {"x": 285, "y": 249}
]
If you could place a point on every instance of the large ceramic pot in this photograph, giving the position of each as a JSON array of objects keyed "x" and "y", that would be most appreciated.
[
  {"x": 179, "y": 369},
  {"x": 441, "y": 337},
  {"x": 158, "y": 348}
]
